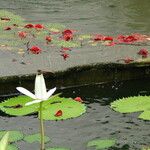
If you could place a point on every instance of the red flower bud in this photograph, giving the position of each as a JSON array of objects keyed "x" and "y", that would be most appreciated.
[
  {"x": 65, "y": 55},
  {"x": 22, "y": 34},
  {"x": 78, "y": 99},
  {"x": 59, "y": 113},
  {"x": 143, "y": 52},
  {"x": 35, "y": 50},
  {"x": 29, "y": 26},
  {"x": 38, "y": 26},
  {"x": 48, "y": 39}
]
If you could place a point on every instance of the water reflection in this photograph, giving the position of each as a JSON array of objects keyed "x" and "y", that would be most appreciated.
[{"x": 103, "y": 16}]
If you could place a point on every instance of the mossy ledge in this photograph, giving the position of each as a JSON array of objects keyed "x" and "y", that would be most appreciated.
[{"x": 79, "y": 75}]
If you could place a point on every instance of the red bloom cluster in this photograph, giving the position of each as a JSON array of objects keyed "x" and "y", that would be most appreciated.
[
  {"x": 22, "y": 34},
  {"x": 48, "y": 39},
  {"x": 99, "y": 37},
  {"x": 38, "y": 26},
  {"x": 67, "y": 35},
  {"x": 143, "y": 52},
  {"x": 35, "y": 50},
  {"x": 29, "y": 26}
]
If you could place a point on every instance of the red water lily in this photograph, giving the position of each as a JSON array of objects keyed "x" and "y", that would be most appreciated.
[
  {"x": 67, "y": 35},
  {"x": 108, "y": 38},
  {"x": 126, "y": 60},
  {"x": 98, "y": 37},
  {"x": 22, "y": 34},
  {"x": 59, "y": 113},
  {"x": 38, "y": 26},
  {"x": 48, "y": 39},
  {"x": 7, "y": 28},
  {"x": 65, "y": 49},
  {"x": 29, "y": 26},
  {"x": 127, "y": 39},
  {"x": 65, "y": 55},
  {"x": 35, "y": 50},
  {"x": 78, "y": 99},
  {"x": 143, "y": 52}
]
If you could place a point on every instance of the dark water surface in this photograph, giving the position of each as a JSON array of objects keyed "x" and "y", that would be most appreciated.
[
  {"x": 93, "y": 16},
  {"x": 98, "y": 122}
]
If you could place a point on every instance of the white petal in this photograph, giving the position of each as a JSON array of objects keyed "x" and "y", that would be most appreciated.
[
  {"x": 33, "y": 102},
  {"x": 50, "y": 92},
  {"x": 40, "y": 87},
  {"x": 26, "y": 92}
]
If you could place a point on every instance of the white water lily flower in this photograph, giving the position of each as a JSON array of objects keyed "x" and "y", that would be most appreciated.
[{"x": 40, "y": 91}]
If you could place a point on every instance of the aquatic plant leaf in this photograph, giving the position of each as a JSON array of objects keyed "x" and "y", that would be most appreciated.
[
  {"x": 16, "y": 106},
  {"x": 35, "y": 138},
  {"x": 84, "y": 36},
  {"x": 68, "y": 44},
  {"x": 101, "y": 144},
  {"x": 131, "y": 104},
  {"x": 13, "y": 135},
  {"x": 55, "y": 27},
  {"x": 4, "y": 141},
  {"x": 57, "y": 148},
  {"x": 145, "y": 115},
  {"x": 12, "y": 147},
  {"x": 69, "y": 108}
]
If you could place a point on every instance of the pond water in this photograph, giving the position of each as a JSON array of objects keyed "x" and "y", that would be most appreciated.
[
  {"x": 98, "y": 122},
  {"x": 89, "y": 16}
]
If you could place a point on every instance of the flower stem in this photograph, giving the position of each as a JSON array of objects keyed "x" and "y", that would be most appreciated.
[{"x": 41, "y": 127}]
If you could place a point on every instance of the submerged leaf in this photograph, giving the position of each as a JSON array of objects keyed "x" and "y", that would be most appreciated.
[
  {"x": 13, "y": 135},
  {"x": 35, "y": 138},
  {"x": 101, "y": 144}
]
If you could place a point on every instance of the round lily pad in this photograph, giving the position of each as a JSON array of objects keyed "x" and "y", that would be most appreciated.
[
  {"x": 101, "y": 144},
  {"x": 57, "y": 148},
  {"x": 13, "y": 135},
  {"x": 12, "y": 147},
  {"x": 68, "y": 108},
  {"x": 133, "y": 104},
  {"x": 35, "y": 138},
  {"x": 16, "y": 106}
]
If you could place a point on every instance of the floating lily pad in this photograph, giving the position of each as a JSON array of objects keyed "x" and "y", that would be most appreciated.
[
  {"x": 13, "y": 135},
  {"x": 133, "y": 104},
  {"x": 12, "y": 147},
  {"x": 101, "y": 144},
  {"x": 69, "y": 107},
  {"x": 35, "y": 138},
  {"x": 4, "y": 141},
  {"x": 55, "y": 27},
  {"x": 16, "y": 106},
  {"x": 57, "y": 148},
  {"x": 84, "y": 36}
]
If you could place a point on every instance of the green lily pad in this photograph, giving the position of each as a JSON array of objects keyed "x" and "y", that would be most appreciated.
[
  {"x": 16, "y": 106},
  {"x": 101, "y": 144},
  {"x": 12, "y": 147},
  {"x": 57, "y": 148},
  {"x": 35, "y": 138},
  {"x": 13, "y": 135},
  {"x": 145, "y": 115},
  {"x": 4, "y": 141},
  {"x": 131, "y": 104},
  {"x": 69, "y": 107},
  {"x": 55, "y": 27}
]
